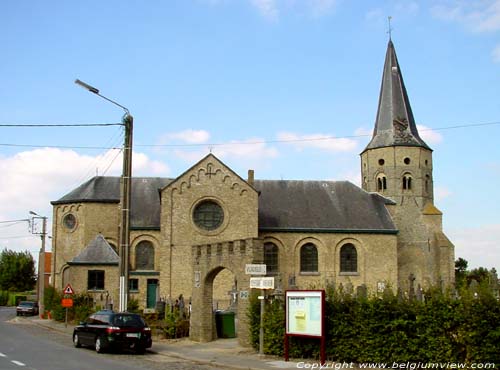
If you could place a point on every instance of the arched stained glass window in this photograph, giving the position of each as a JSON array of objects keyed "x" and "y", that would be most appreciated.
[
  {"x": 308, "y": 258},
  {"x": 145, "y": 256},
  {"x": 348, "y": 258},
  {"x": 271, "y": 258}
]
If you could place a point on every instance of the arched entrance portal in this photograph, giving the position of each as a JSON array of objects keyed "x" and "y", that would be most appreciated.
[{"x": 208, "y": 261}]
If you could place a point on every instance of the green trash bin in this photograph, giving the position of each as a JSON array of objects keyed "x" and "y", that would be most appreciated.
[{"x": 224, "y": 322}]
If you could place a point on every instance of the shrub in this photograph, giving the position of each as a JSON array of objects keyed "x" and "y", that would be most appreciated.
[{"x": 442, "y": 329}]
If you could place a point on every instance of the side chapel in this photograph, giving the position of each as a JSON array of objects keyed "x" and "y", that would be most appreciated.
[{"x": 386, "y": 234}]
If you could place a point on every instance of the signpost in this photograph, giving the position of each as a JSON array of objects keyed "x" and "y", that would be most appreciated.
[
  {"x": 67, "y": 301},
  {"x": 262, "y": 283}
]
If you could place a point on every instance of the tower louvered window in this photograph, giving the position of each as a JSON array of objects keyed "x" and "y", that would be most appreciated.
[
  {"x": 407, "y": 182},
  {"x": 381, "y": 183}
]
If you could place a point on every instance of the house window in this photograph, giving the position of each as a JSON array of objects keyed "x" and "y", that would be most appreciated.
[
  {"x": 309, "y": 258},
  {"x": 407, "y": 182},
  {"x": 271, "y": 258},
  {"x": 133, "y": 285},
  {"x": 144, "y": 256},
  {"x": 381, "y": 183},
  {"x": 95, "y": 280},
  {"x": 208, "y": 215},
  {"x": 348, "y": 258}
]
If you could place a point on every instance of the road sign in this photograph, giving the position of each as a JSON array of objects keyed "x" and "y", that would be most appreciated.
[
  {"x": 67, "y": 302},
  {"x": 262, "y": 282},
  {"x": 68, "y": 290},
  {"x": 253, "y": 269}
]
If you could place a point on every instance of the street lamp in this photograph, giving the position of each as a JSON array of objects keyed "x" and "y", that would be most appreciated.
[
  {"x": 41, "y": 264},
  {"x": 126, "y": 183}
]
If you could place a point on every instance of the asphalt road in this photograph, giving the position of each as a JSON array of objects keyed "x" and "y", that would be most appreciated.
[{"x": 24, "y": 345}]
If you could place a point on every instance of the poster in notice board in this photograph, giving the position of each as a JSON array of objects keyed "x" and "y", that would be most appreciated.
[{"x": 304, "y": 314}]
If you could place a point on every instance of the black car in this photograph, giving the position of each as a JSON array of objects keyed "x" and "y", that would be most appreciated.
[
  {"x": 27, "y": 308},
  {"x": 112, "y": 330}
]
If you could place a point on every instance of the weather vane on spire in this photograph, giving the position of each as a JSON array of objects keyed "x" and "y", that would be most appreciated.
[{"x": 390, "y": 28}]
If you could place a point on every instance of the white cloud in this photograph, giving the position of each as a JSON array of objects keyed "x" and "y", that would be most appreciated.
[
  {"x": 475, "y": 15},
  {"x": 188, "y": 136},
  {"x": 407, "y": 7},
  {"x": 318, "y": 141},
  {"x": 267, "y": 8},
  {"x": 320, "y": 8},
  {"x": 272, "y": 9},
  {"x": 478, "y": 245},
  {"x": 441, "y": 193},
  {"x": 429, "y": 135},
  {"x": 252, "y": 152},
  {"x": 31, "y": 179}
]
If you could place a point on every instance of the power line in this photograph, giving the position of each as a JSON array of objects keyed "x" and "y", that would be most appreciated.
[
  {"x": 62, "y": 125},
  {"x": 258, "y": 142}
]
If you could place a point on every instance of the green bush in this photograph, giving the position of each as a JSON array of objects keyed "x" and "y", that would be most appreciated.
[
  {"x": 390, "y": 329},
  {"x": 4, "y": 298}
]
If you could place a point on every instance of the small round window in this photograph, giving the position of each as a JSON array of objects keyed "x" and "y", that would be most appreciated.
[
  {"x": 407, "y": 160},
  {"x": 69, "y": 221},
  {"x": 208, "y": 215},
  {"x": 381, "y": 162}
]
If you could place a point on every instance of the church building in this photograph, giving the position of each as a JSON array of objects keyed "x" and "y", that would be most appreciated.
[{"x": 194, "y": 229}]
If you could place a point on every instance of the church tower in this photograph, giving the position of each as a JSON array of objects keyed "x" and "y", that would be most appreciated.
[{"x": 397, "y": 164}]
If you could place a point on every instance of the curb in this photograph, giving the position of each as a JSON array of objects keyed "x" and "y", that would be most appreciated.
[{"x": 165, "y": 353}]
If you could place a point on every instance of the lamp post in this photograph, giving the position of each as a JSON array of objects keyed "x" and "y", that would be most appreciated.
[
  {"x": 126, "y": 181},
  {"x": 41, "y": 264}
]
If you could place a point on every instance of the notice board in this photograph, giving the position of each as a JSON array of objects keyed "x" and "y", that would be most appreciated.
[{"x": 304, "y": 312}]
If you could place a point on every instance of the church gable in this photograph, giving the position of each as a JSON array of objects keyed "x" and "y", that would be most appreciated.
[
  {"x": 209, "y": 170},
  {"x": 209, "y": 200}
]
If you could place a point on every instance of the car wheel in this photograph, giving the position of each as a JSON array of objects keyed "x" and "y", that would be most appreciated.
[
  {"x": 76, "y": 341},
  {"x": 140, "y": 350},
  {"x": 98, "y": 345}
]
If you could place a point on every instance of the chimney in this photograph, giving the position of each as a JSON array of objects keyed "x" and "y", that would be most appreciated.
[{"x": 251, "y": 176}]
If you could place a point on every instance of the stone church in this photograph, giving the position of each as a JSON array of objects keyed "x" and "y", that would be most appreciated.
[{"x": 199, "y": 229}]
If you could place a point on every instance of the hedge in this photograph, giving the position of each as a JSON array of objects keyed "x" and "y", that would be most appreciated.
[{"x": 440, "y": 329}]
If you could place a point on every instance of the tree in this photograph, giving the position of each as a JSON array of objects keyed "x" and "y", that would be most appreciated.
[
  {"x": 461, "y": 273},
  {"x": 17, "y": 271}
]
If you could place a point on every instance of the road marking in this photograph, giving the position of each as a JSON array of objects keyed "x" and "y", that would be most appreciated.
[
  {"x": 2, "y": 354},
  {"x": 18, "y": 363}
]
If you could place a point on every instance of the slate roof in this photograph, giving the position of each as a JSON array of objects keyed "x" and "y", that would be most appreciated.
[
  {"x": 98, "y": 252},
  {"x": 144, "y": 202},
  {"x": 283, "y": 205},
  {"x": 395, "y": 124},
  {"x": 321, "y": 206}
]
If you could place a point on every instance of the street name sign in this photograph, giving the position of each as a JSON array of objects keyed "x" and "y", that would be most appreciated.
[
  {"x": 255, "y": 269},
  {"x": 262, "y": 282}
]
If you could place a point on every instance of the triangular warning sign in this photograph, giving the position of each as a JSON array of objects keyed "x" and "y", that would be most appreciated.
[{"x": 68, "y": 290}]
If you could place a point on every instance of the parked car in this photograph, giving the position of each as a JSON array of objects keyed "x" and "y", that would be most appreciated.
[
  {"x": 27, "y": 308},
  {"x": 113, "y": 330}
]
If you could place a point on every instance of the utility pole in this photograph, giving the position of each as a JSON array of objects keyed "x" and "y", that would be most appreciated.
[
  {"x": 41, "y": 264},
  {"x": 126, "y": 185},
  {"x": 128, "y": 122}
]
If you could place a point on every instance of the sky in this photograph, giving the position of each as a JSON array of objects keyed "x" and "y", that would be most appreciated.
[{"x": 288, "y": 88}]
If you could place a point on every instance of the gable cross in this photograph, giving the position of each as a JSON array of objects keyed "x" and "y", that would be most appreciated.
[{"x": 209, "y": 172}]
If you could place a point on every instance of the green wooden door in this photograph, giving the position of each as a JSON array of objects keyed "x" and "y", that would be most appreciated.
[{"x": 151, "y": 293}]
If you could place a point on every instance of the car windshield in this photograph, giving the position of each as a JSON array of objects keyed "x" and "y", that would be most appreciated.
[
  {"x": 27, "y": 304},
  {"x": 134, "y": 321}
]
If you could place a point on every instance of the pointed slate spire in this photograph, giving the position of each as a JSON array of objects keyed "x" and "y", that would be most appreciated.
[{"x": 395, "y": 125}]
